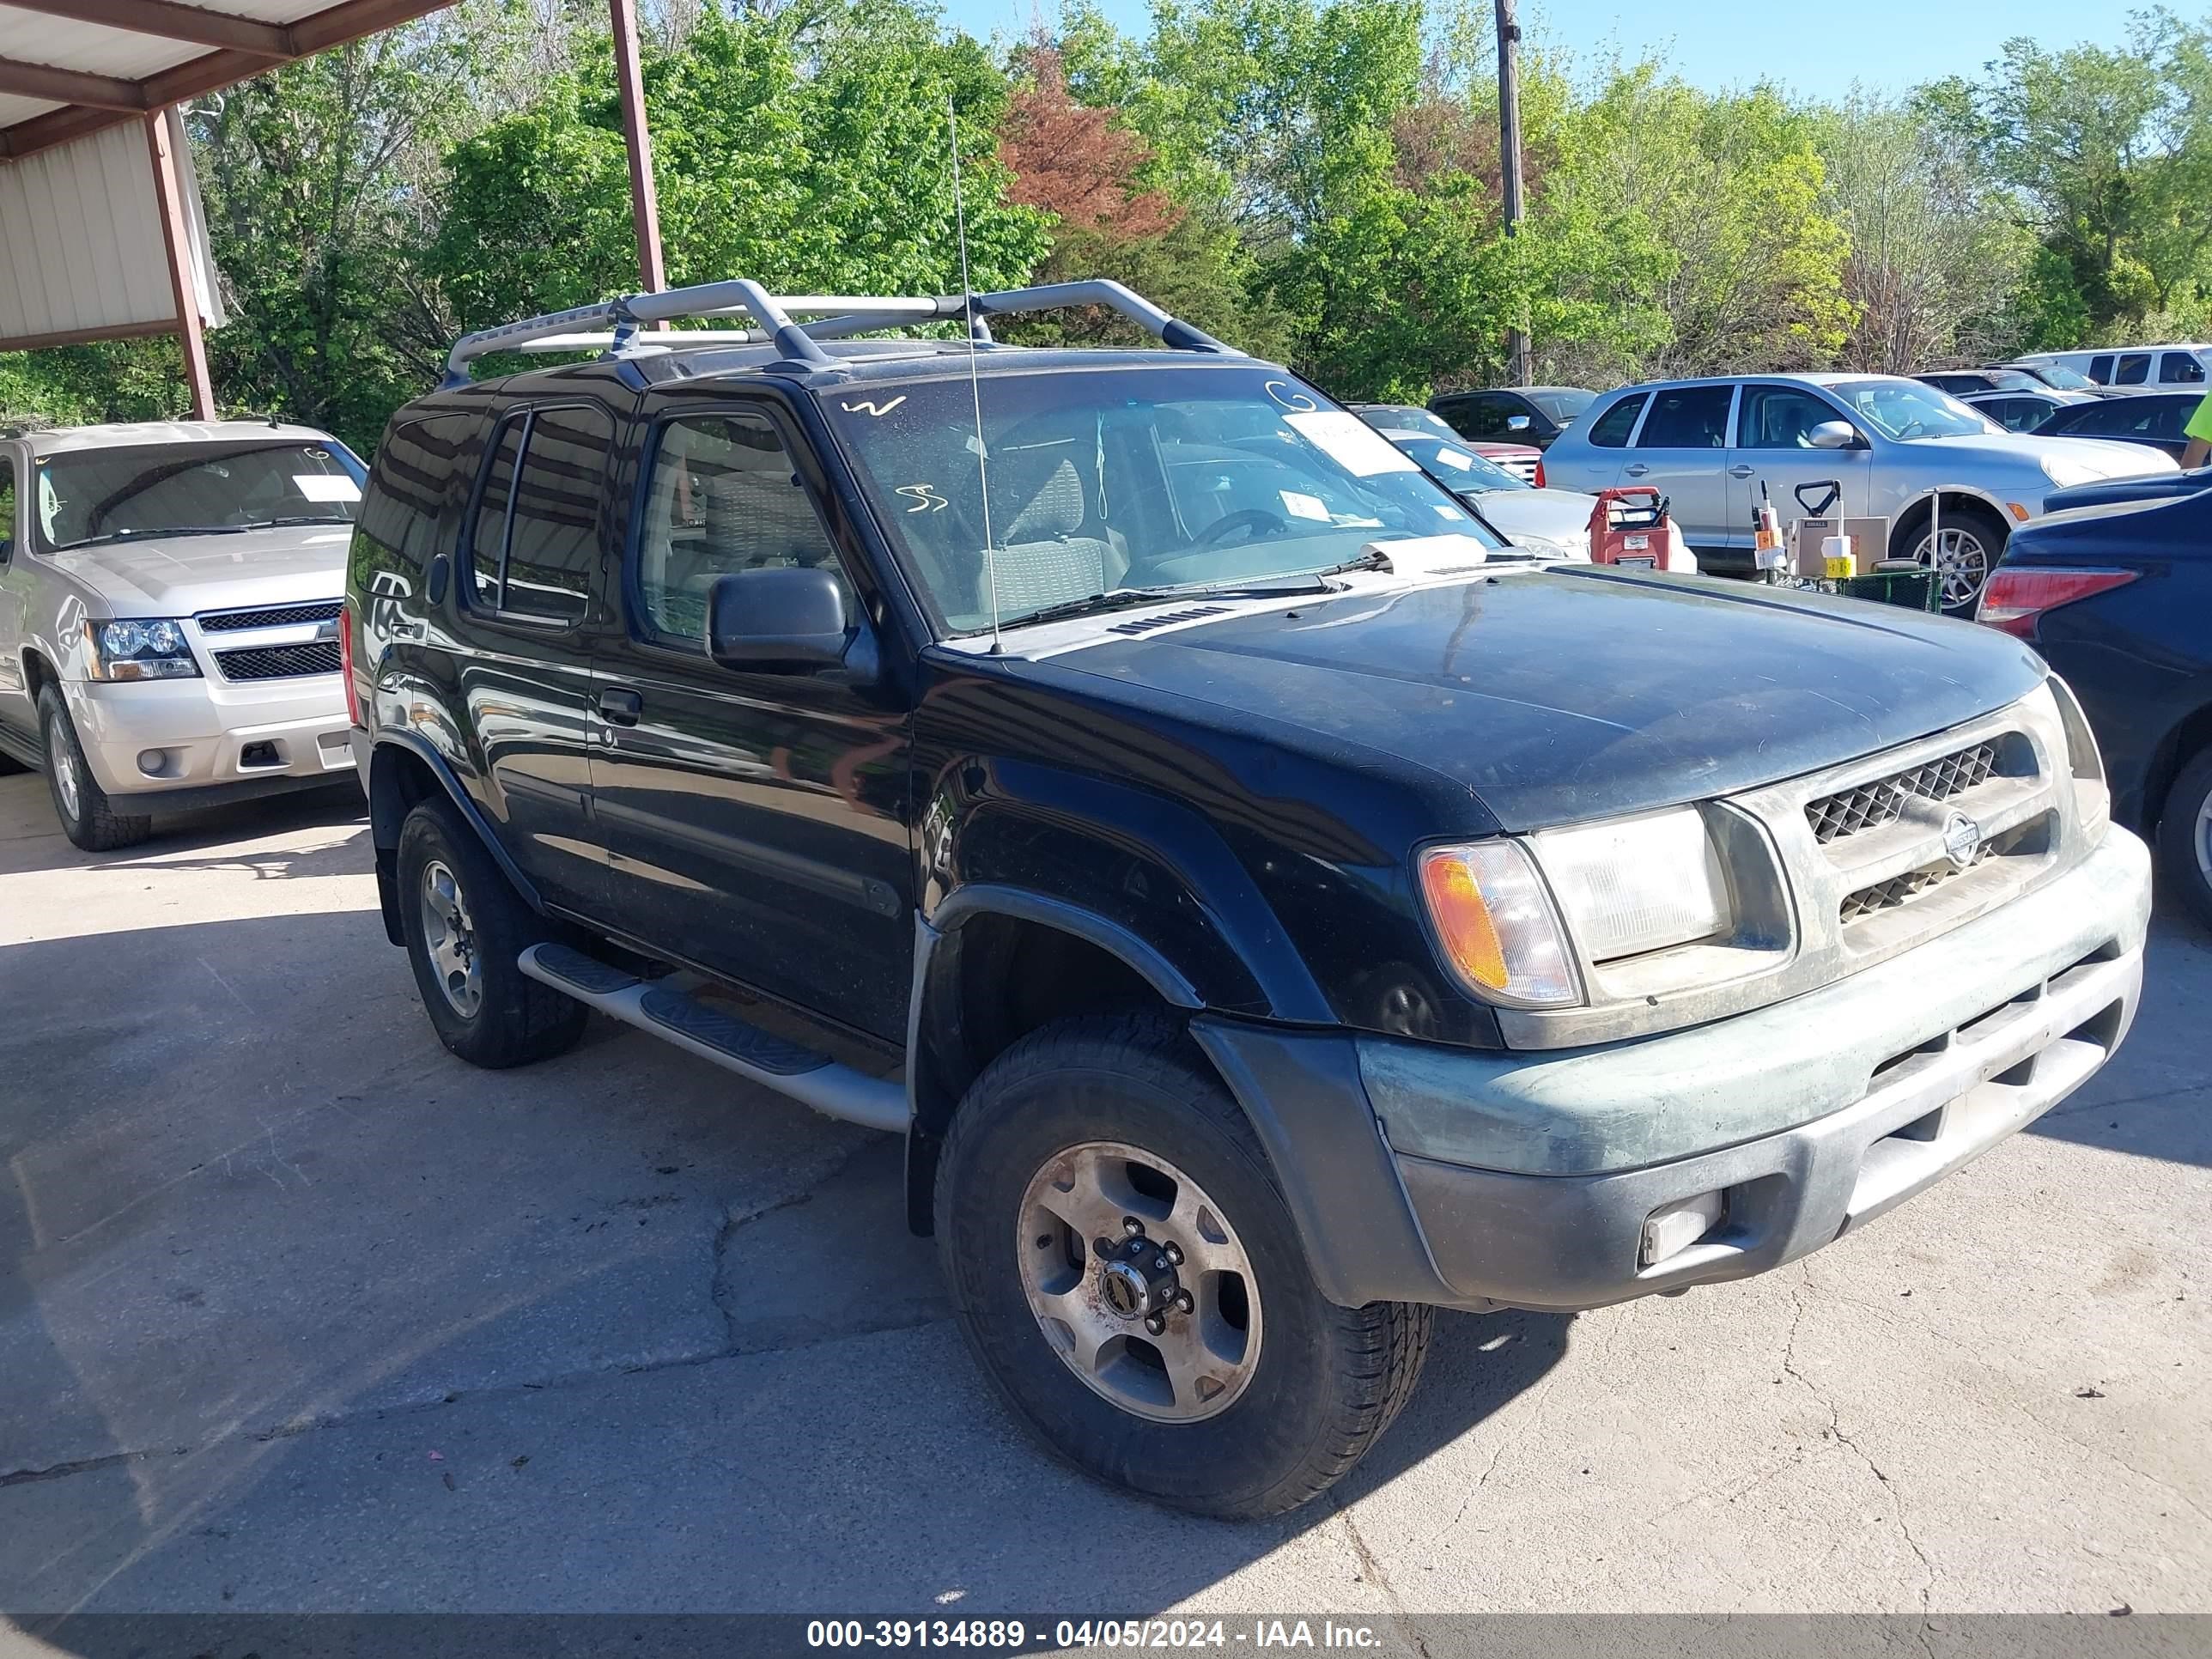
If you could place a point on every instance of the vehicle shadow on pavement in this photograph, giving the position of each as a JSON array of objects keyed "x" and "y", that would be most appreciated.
[
  {"x": 31, "y": 839},
  {"x": 2151, "y": 1101},
  {"x": 296, "y": 1311}
]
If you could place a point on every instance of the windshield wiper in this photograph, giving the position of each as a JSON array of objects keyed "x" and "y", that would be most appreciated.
[
  {"x": 198, "y": 530},
  {"x": 1123, "y": 598}
]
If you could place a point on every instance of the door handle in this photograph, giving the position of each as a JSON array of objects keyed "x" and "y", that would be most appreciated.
[
  {"x": 1636, "y": 469},
  {"x": 620, "y": 706},
  {"x": 1742, "y": 472}
]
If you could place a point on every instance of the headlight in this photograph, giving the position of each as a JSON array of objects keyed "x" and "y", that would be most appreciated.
[
  {"x": 1630, "y": 885},
  {"x": 2066, "y": 470},
  {"x": 1509, "y": 914},
  {"x": 140, "y": 649}
]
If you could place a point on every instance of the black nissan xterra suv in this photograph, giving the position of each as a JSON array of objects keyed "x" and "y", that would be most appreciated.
[{"x": 1280, "y": 909}]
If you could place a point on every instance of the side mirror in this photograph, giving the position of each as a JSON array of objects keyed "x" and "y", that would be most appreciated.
[
  {"x": 1833, "y": 434},
  {"x": 1516, "y": 422},
  {"x": 788, "y": 618}
]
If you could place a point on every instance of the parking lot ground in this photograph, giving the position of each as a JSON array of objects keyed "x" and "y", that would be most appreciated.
[{"x": 297, "y": 1312}]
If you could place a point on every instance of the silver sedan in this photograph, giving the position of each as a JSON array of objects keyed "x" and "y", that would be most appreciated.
[{"x": 1950, "y": 483}]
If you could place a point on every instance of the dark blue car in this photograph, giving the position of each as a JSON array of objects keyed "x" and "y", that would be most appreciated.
[{"x": 2117, "y": 597}]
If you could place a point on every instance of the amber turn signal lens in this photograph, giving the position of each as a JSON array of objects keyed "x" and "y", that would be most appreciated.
[{"x": 1495, "y": 924}]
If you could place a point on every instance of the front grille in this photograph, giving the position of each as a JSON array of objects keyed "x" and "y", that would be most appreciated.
[
  {"x": 1870, "y": 806},
  {"x": 1522, "y": 467},
  {"x": 278, "y": 662},
  {"x": 282, "y": 615},
  {"x": 1904, "y": 889}
]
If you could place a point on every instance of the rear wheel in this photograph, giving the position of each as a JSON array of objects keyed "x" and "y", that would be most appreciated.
[
  {"x": 464, "y": 925},
  {"x": 1123, "y": 1264},
  {"x": 87, "y": 814},
  {"x": 2185, "y": 838}
]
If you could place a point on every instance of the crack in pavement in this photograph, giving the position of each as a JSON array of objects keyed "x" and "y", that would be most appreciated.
[
  {"x": 1370, "y": 1568},
  {"x": 75, "y": 1465},
  {"x": 1835, "y": 1432},
  {"x": 735, "y": 1221}
]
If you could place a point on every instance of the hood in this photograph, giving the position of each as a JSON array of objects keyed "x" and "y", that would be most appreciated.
[
  {"x": 177, "y": 576},
  {"x": 1557, "y": 515},
  {"x": 2156, "y": 487},
  {"x": 2097, "y": 457},
  {"x": 1573, "y": 692}
]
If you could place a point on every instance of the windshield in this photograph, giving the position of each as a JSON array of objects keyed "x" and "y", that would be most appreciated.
[
  {"x": 1455, "y": 465},
  {"x": 87, "y": 495},
  {"x": 1188, "y": 477},
  {"x": 2012, "y": 380},
  {"x": 1404, "y": 417},
  {"x": 2065, "y": 379},
  {"x": 1563, "y": 406},
  {"x": 1906, "y": 409}
]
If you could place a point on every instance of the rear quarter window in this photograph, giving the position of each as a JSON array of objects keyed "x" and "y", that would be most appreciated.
[{"x": 412, "y": 507}]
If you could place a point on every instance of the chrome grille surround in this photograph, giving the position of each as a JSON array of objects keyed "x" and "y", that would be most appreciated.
[
  {"x": 293, "y": 640},
  {"x": 2024, "y": 809}
]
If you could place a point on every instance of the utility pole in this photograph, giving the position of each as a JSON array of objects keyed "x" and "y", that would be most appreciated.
[
  {"x": 637, "y": 139},
  {"x": 1520, "y": 371}
]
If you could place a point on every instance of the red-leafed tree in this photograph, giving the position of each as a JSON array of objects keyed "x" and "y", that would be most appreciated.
[{"x": 1072, "y": 160}]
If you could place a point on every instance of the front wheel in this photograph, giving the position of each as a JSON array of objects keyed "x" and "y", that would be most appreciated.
[
  {"x": 1964, "y": 548},
  {"x": 87, "y": 812},
  {"x": 2185, "y": 838},
  {"x": 1124, "y": 1266}
]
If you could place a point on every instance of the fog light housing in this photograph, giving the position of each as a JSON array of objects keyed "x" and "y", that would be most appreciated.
[
  {"x": 1673, "y": 1228},
  {"x": 152, "y": 762}
]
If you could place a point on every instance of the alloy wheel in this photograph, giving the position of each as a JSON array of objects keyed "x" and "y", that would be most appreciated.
[
  {"x": 1962, "y": 564},
  {"x": 1138, "y": 1282},
  {"x": 67, "y": 789},
  {"x": 449, "y": 937}
]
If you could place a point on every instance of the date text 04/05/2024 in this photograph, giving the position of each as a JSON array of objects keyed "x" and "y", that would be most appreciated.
[{"x": 1025, "y": 1635}]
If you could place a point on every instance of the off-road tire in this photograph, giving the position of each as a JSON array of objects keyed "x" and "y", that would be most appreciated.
[
  {"x": 2182, "y": 854},
  {"x": 1328, "y": 1380},
  {"x": 95, "y": 826},
  {"x": 519, "y": 1020}
]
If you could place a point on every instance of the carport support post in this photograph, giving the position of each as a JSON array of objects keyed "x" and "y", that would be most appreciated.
[
  {"x": 169, "y": 203},
  {"x": 637, "y": 139}
]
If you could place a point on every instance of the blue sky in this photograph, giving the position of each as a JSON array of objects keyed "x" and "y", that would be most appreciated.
[{"x": 1883, "y": 44}]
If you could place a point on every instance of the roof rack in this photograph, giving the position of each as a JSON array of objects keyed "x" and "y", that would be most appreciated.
[{"x": 616, "y": 323}]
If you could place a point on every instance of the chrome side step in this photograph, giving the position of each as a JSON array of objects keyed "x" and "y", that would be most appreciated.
[{"x": 812, "y": 1079}]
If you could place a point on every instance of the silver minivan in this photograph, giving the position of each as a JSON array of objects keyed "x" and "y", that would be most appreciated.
[{"x": 1897, "y": 450}]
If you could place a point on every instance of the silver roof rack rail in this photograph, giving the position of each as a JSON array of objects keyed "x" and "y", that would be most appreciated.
[{"x": 616, "y": 323}]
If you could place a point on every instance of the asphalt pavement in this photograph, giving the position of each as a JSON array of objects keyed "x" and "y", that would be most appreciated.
[{"x": 298, "y": 1312}]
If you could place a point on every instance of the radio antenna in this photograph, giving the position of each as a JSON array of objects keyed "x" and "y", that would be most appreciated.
[{"x": 975, "y": 378}]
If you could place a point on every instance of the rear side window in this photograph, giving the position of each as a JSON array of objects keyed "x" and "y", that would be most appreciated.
[
  {"x": 2100, "y": 369},
  {"x": 1611, "y": 429},
  {"x": 1687, "y": 418},
  {"x": 2133, "y": 369},
  {"x": 418, "y": 476},
  {"x": 7, "y": 506},
  {"x": 537, "y": 536},
  {"x": 721, "y": 498},
  {"x": 2180, "y": 368}
]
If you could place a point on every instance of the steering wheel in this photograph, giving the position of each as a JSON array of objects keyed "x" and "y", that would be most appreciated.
[{"x": 1255, "y": 519}]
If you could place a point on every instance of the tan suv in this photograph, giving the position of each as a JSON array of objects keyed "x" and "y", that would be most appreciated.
[{"x": 169, "y": 599}]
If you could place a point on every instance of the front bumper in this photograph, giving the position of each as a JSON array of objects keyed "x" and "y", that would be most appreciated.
[
  {"x": 1526, "y": 1179},
  {"x": 215, "y": 741}
]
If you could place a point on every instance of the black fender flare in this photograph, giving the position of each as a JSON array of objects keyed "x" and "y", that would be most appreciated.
[{"x": 386, "y": 816}]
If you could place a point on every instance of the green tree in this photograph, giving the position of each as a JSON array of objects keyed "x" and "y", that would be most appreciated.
[{"x": 807, "y": 151}]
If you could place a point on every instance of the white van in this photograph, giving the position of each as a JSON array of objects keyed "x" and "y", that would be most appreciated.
[{"x": 2166, "y": 367}]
